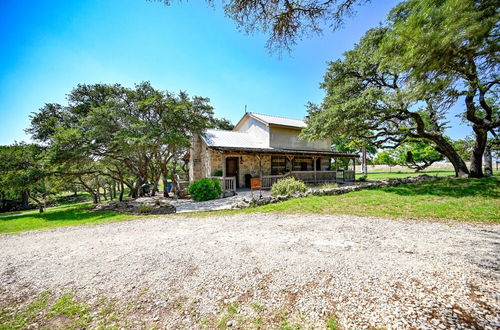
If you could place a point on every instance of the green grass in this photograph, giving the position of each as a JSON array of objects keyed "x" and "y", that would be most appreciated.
[
  {"x": 404, "y": 174},
  {"x": 378, "y": 175},
  {"x": 476, "y": 200},
  {"x": 59, "y": 216}
]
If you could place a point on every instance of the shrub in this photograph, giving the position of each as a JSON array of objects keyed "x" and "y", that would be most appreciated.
[
  {"x": 145, "y": 208},
  {"x": 362, "y": 178},
  {"x": 288, "y": 186},
  {"x": 205, "y": 189},
  {"x": 218, "y": 173}
]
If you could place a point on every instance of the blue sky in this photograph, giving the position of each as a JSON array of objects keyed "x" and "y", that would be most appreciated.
[{"x": 48, "y": 47}]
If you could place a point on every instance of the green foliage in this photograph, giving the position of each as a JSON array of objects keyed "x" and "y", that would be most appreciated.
[
  {"x": 218, "y": 173},
  {"x": 288, "y": 186},
  {"x": 22, "y": 318},
  {"x": 287, "y": 21},
  {"x": 331, "y": 324},
  {"x": 144, "y": 208},
  {"x": 222, "y": 123},
  {"x": 59, "y": 216},
  {"x": 205, "y": 189},
  {"x": 384, "y": 157},
  {"x": 110, "y": 133},
  {"x": 464, "y": 147},
  {"x": 400, "y": 81},
  {"x": 414, "y": 155},
  {"x": 24, "y": 170}
]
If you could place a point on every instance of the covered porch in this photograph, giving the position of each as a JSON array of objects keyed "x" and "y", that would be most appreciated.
[{"x": 271, "y": 165}]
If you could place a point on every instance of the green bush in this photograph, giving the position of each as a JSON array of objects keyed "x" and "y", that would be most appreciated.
[
  {"x": 144, "y": 208},
  {"x": 218, "y": 173},
  {"x": 288, "y": 186},
  {"x": 205, "y": 189}
]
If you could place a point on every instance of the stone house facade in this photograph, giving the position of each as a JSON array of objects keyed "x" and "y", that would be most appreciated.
[{"x": 261, "y": 146}]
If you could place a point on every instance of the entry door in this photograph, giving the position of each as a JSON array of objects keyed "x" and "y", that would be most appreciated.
[{"x": 232, "y": 169}]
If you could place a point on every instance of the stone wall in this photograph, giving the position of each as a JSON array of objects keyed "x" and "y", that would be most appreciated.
[
  {"x": 248, "y": 164},
  {"x": 199, "y": 159}
]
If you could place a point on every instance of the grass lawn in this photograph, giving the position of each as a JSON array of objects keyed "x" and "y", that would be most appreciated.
[
  {"x": 59, "y": 216},
  {"x": 378, "y": 175},
  {"x": 476, "y": 200}
]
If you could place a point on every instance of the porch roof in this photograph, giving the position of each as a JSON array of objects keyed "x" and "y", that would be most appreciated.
[{"x": 284, "y": 152}]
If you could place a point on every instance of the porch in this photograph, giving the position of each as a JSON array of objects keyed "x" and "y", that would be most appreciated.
[{"x": 270, "y": 166}]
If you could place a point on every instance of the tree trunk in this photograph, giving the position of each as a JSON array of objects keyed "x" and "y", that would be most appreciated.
[
  {"x": 165, "y": 184},
  {"x": 25, "y": 198},
  {"x": 447, "y": 149},
  {"x": 137, "y": 191},
  {"x": 488, "y": 161},
  {"x": 39, "y": 203},
  {"x": 476, "y": 161},
  {"x": 122, "y": 188}
]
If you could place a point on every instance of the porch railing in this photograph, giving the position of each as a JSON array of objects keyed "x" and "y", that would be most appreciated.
[
  {"x": 310, "y": 177},
  {"x": 269, "y": 180},
  {"x": 229, "y": 185}
]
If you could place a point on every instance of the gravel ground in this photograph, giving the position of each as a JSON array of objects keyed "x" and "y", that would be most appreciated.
[{"x": 182, "y": 271}]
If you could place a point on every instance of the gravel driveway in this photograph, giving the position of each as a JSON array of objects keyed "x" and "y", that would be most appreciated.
[{"x": 182, "y": 271}]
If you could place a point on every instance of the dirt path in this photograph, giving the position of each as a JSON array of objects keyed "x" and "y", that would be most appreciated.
[{"x": 184, "y": 272}]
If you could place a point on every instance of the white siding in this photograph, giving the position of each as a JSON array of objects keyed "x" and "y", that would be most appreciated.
[{"x": 287, "y": 138}]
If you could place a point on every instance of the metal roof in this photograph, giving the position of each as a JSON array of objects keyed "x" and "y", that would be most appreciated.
[
  {"x": 286, "y": 151},
  {"x": 234, "y": 139},
  {"x": 276, "y": 120}
]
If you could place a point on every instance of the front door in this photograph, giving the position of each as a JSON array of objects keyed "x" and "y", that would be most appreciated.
[{"x": 232, "y": 169}]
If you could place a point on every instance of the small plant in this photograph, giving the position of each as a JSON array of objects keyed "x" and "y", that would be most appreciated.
[
  {"x": 288, "y": 186},
  {"x": 328, "y": 186},
  {"x": 205, "y": 189},
  {"x": 144, "y": 208},
  {"x": 362, "y": 178},
  {"x": 218, "y": 173},
  {"x": 331, "y": 323}
]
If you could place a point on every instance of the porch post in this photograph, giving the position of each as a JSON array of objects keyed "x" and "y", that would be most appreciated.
[
  {"x": 290, "y": 158},
  {"x": 315, "y": 158},
  {"x": 260, "y": 174},
  {"x": 223, "y": 175},
  {"x": 354, "y": 169}
]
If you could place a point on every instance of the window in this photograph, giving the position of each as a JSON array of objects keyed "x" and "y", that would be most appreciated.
[
  {"x": 302, "y": 164},
  {"x": 325, "y": 164},
  {"x": 278, "y": 165}
]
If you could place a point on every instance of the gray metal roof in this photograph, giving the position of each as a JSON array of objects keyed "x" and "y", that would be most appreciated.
[
  {"x": 276, "y": 120},
  {"x": 287, "y": 151},
  {"x": 234, "y": 139}
]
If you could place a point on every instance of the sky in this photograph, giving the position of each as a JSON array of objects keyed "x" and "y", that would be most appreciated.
[{"x": 48, "y": 47}]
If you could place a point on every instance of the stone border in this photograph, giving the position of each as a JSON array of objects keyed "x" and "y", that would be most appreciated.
[{"x": 255, "y": 201}]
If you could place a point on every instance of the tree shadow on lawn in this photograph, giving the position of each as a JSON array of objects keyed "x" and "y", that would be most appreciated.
[
  {"x": 78, "y": 213},
  {"x": 451, "y": 187}
]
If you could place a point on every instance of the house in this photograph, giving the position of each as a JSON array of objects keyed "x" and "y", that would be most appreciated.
[{"x": 269, "y": 148}]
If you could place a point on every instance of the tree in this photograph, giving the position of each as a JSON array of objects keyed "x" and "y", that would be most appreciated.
[
  {"x": 417, "y": 155},
  {"x": 24, "y": 171},
  {"x": 222, "y": 123},
  {"x": 126, "y": 135},
  {"x": 287, "y": 21},
  {"x": 452, "y": 46},
  {"x": 385, "y": 157},
  {"x": 464, "y": 147},
  {"x": 372, "y": 100}
]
